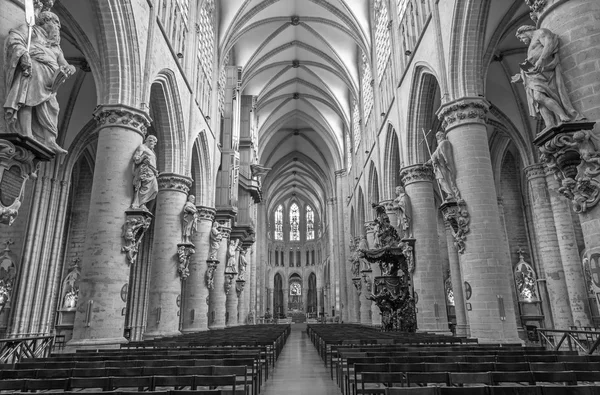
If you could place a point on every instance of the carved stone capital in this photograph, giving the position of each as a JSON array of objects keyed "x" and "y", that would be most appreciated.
[
  {"x": 134, "y": 228},
  {"x": 535, "y": 171},
  {"x": 536, "y": 7},
  {"x": 206, "y": 213},
  {"x": 210, "y": 273},
  {"x": 184, "y": 253},
  {"x": 463, "y": 111},
  {"x": 122, "y": 116},
  {"x": 174, "y": 182},
  {"x": 340, "y": 173},
  {"x": 416, "y": 173},
  {"x": 457, "y": 216}
]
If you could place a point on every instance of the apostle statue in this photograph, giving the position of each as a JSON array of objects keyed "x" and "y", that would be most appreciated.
[
  {"x": 215, "y": 241},
  {"x": 190, "y": 219},
  {"x": 404, "y": 209},
  {"x": 242, "y": 264},
  {"x": 144, "y": 174},
  {"x": 542, "y": 77},
  {"x": 362, "y": 247},
  {"x": 353, "y": 259},
  {"x": 231, "y": 249},
  {"x": 442, "y": 160},
  {"x": 32, "y": 77}
]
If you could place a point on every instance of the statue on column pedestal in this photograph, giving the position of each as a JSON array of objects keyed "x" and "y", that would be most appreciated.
[
  {"x": 190, "y": 219},
  {"x": 215, "y": 241},
  {"x": 442, "y": 160},
  {"x": 404, "y": 209},
  {"x": 542, "y": 77},
  {"x": 145, "y": 183},
  {"x": 231, "y": 264},
  {"x": 32, "y": 76}
]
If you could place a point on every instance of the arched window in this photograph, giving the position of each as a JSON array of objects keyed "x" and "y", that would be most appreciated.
[
  {"x": 356, "y": 125},
  {"x": 382, "y": 37},
  {"x": 206, "y": 45},
  {"x": 348, "y": 152},
  {"x": 279, "y": 223},
  {"x": 310, "y": 223},
  {"x": 367, "y": 88},
  {"x": 294, "y": 223}
]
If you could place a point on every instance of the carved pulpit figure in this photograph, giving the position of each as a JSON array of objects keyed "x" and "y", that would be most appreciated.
[
  {"x": 404, "y": 209},
  {"x": 190, "y": 218},
  {"x": 542, "y": 77},
  {"x": 145, "y": 183},
  {"x": 442, "y": 160},
  {"x": 32, "y": 77},
  {"x": 215, "y": 241}
]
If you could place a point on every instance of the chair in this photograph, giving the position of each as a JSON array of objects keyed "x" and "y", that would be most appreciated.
[
  {"x": 12, "y": 385},
  {"x": 195, "y": 392},
  {"x": 587, "y": 376},
  {"x": 424, "y": 378},
  {"x": 102, "y": 383},
  {"x": 237, "y": 371},
  {"x": 19, "y": 374},
  {"x": 215, "y": 381},
  {"x": 46, "y": 384},
  {"x": 547, "y": 366},
  {"x": 513, "y": 377},
  {"x": 194, "y": 370},
  {"x": 359, "y": 368},
  {"x": 142, "y": 383},
  {"x": 555, "y": 377},
  {"x": 515, "y": 390},
  {"x": 388, "y": 379},
  {"x": 460, "y": 379},
  {"x": 562, "y": 390},
  {"x": 411, "y": 391},
  {"x": 476, "y": 367},
  {"x": 511, "y": 367},
  {"x": 176, "y": 382},
  {"x": 463, "y": 391},
  {"x": 53, "y": 373}
]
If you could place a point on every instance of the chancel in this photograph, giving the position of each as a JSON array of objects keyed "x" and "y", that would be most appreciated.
[{"x": 300, "y": 196}]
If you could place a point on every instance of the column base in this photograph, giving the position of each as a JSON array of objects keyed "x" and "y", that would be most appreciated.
[
  {"x": 219, "y": 326},
  {"x": 152, "y": 335},
  {"x": 102, "y": 343}
]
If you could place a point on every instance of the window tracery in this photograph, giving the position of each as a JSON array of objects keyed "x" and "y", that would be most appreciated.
[
  {"x": 382, "y": 37},
  {"x": 279, "y": 223},
  {"x": 206, "y": 45},
  {"x": 356, "y": 125},
  {"x": 367, "y": 88},
  {"x": 310, "y": 223},
  {"x": 294, "y": 223}
]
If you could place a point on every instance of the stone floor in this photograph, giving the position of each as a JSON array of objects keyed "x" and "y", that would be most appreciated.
[{"x": 299, "y": 369}]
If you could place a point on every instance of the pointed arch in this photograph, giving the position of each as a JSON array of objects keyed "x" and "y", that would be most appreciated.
[{"x": 391, "y": 170}]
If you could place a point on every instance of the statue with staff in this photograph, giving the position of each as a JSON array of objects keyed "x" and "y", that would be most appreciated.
[
  {"x": 442, "y": 160},
  {"x": 34, "y": 69}
]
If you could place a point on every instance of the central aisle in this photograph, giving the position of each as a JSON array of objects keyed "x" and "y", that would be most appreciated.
[{"x": 299, "y": 369}]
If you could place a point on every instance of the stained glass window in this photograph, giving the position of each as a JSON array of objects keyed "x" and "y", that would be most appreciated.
[
  {"x": 348, "y": 152},
  {"x": 294, "y": 223},
  {"x": 382, "y": 37},
  {"x": 356, "y": 125},
  {"x": 279, "y": 223},
  {"x": 367, "y": 88},
  {"x": 206, "y": 46},
  {"x": 310, "y": 223}
]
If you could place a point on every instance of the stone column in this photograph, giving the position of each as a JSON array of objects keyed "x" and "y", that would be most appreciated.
[
  {"x": 195, "y": 305},
  {"x": 428, "y": 277},
  {"x": 569, "y": 255},
  {"x": 547, "y": 243},
  {"x": 105, "y": 269},
  {"x": 165, "y": 282},
  {"x": 286, "y": 294},
  {"x": 484, "y": 265},
  {"x": 217, "y": 307},
  {"x": 576, "y": 24},
  {"x": 462, "y": 326},
  {"x": 365, "y": 305}
]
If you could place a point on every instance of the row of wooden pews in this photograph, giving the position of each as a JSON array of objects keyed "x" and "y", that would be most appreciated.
[
  {"x": 227, "y": 361},
  {"x": 365, "y": 361}
]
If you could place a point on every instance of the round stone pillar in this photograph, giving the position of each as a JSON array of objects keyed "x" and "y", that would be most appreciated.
[
  {"x": 104, "y": 268},
  {"x": 576, "y": 22},
  {"x": 569, "y": 254},
  {"x": 231, "y": 303},
  {"x": 365, "y": 304},
  {"x": 428, "y": 273},
  {"x": 484, "y": 264},
  {"x": 165, "y": 282},
  {"x": 462, "y": 325},
  {"x": 547, "y": 243},
  {"x": 195, "y": 296},
  {"x": 217, "y": 307},
  {"x": 286, "y": 294}
]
